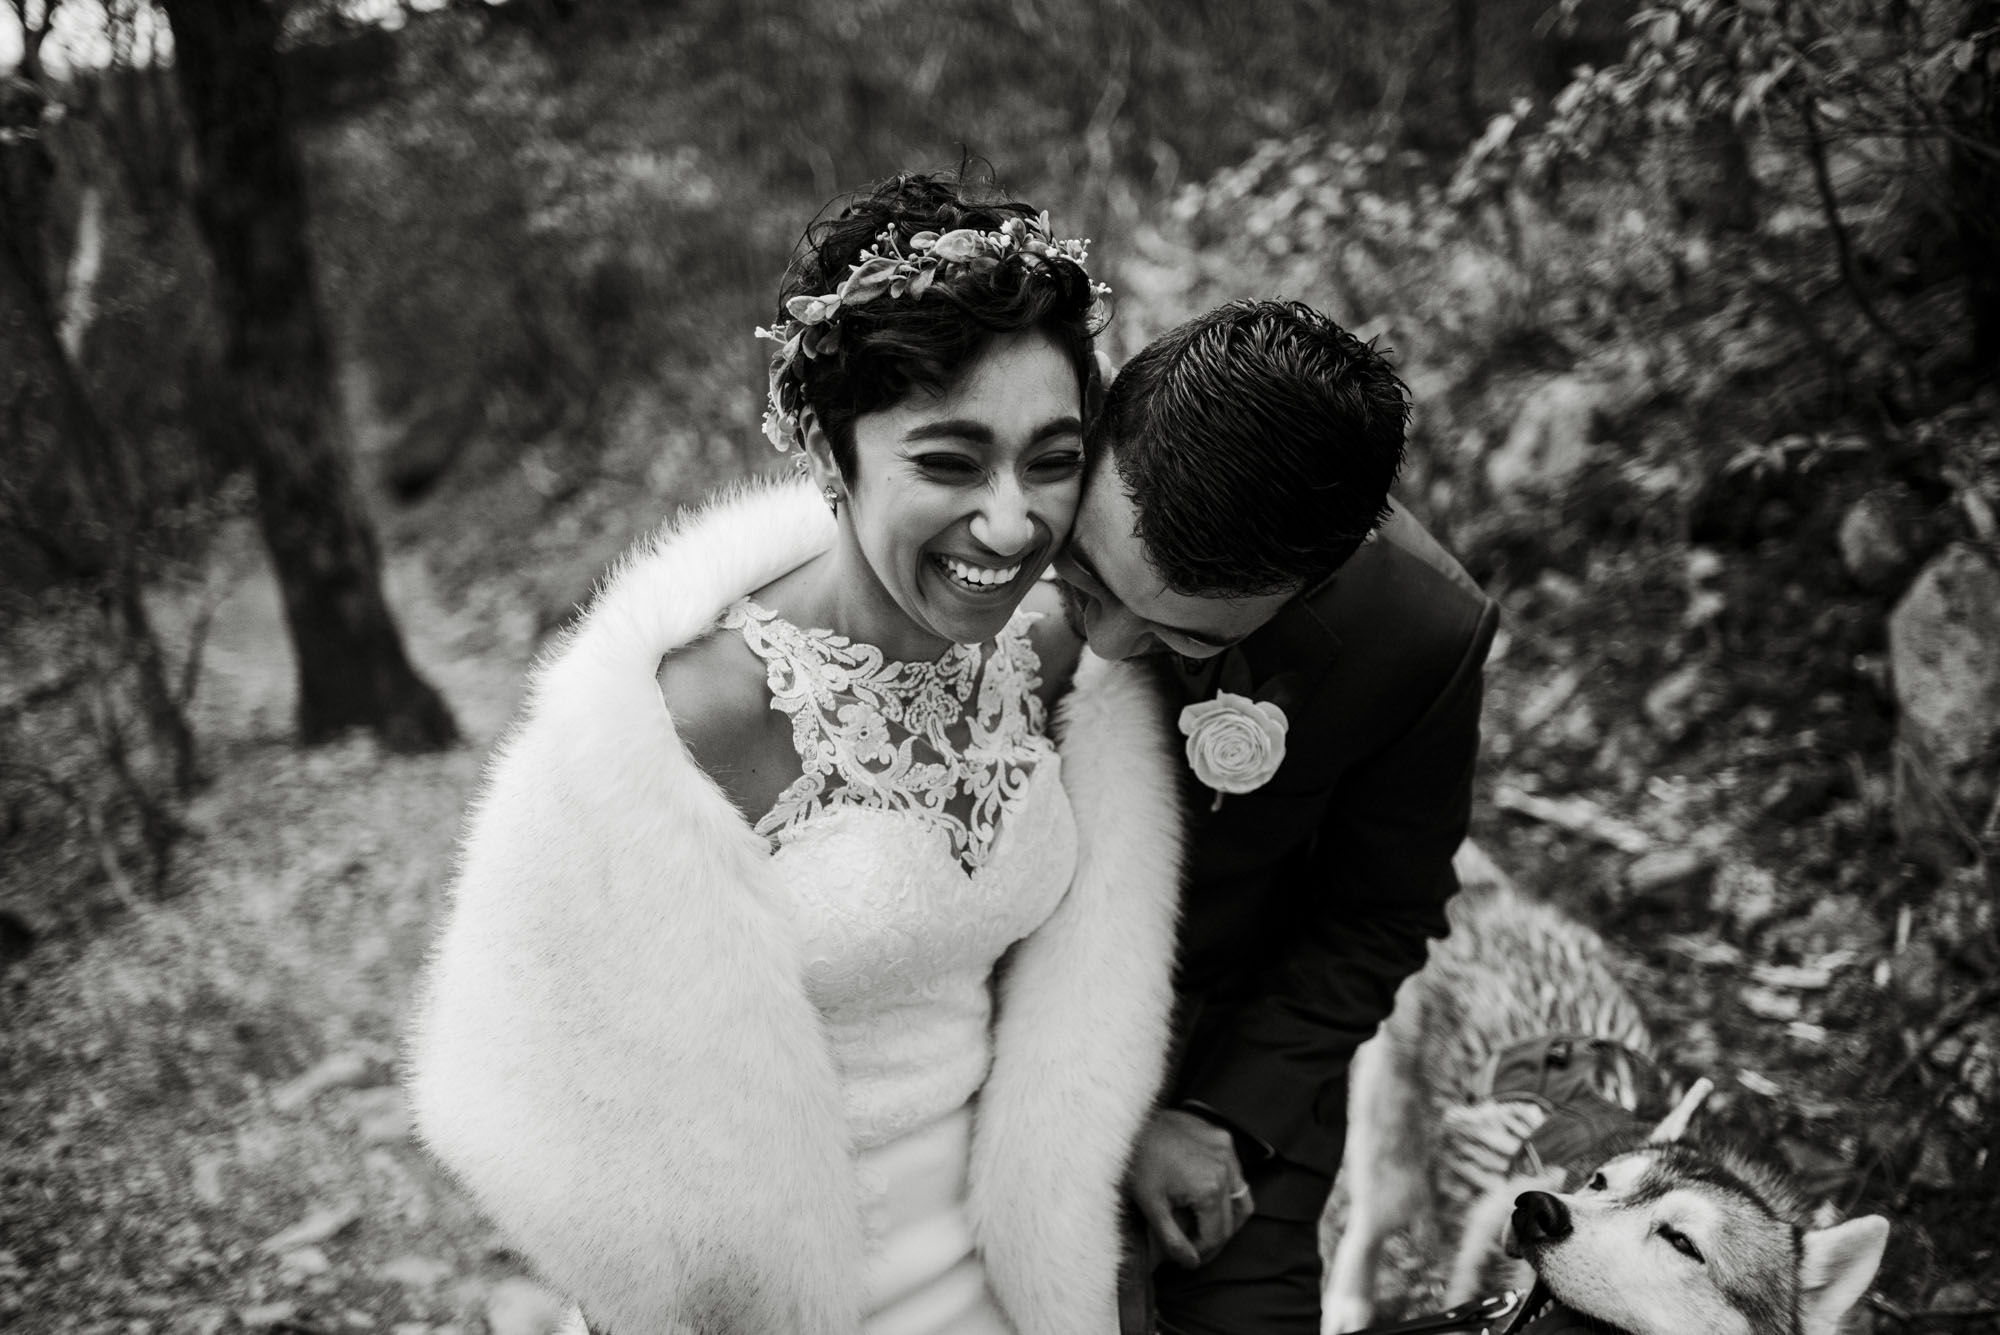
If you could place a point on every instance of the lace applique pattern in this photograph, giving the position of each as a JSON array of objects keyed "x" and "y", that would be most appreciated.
[{"x": 872, "y": 733}]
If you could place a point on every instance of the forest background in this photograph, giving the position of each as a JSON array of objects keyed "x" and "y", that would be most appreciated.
[{"x": 339, "y": 355}]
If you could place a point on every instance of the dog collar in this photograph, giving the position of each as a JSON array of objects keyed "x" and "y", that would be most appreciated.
[
  {"x": 1538, "y": 1313},
  {"x": 1483, "y": 1316},
  {"x": 1510, "y": 1313}
]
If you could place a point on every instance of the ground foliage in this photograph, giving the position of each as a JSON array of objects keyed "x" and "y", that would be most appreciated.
[{"x": 544, "y": 242}]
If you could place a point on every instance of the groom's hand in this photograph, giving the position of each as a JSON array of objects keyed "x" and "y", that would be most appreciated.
[{"x": 1188, "y": 1184}]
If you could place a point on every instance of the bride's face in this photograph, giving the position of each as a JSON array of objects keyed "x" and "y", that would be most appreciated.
[{"x": 957, "y": 501}]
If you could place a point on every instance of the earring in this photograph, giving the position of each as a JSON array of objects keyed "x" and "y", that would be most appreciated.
[{"x": 832, "y": 500}]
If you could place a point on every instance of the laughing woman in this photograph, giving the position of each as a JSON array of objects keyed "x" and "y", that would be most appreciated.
[{"x": 799, "y": 975}]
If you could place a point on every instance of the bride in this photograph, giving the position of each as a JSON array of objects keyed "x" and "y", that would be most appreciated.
[{"x": 807, "y": 969}]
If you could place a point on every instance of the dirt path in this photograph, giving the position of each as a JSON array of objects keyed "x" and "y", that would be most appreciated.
[{"x": 202, "y": 1128}]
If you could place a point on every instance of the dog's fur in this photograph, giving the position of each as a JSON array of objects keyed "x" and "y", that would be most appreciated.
[
  {"x": 1426, "y": 1140},
  {"x": 1672, "y": 1238},
  {"x": 1423, "y": 1143}
]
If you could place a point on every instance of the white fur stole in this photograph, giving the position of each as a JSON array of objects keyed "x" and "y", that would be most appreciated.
[{"x": 613, "y": 1048}]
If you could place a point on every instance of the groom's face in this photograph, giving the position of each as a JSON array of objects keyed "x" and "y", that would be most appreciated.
[{"x": 1117, "y": 601}]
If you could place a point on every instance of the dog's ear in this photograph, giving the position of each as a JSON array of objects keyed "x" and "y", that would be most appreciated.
[
  {"x": 1675, "y": 1124},
  {"x": 1838, "y": 1265}
]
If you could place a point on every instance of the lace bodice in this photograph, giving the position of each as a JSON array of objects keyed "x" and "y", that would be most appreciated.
[
  {"x": 901, "y": 928},
  {"x": 879, "y": 734}
]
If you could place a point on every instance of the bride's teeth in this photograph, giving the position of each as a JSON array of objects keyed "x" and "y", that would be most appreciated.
[{"x": 979, "y": 575}]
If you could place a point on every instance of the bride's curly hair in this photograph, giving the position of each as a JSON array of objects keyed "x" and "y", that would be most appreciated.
[{"x": 888, "y": 348}]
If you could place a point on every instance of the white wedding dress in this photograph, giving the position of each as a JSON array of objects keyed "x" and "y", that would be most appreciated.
[{"x": 928, "y": 832}]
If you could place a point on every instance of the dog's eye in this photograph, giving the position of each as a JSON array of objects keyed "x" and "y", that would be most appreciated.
[
  {"x": 1598, "y": 1182},
  {"x": 1679, "y": 1241}
]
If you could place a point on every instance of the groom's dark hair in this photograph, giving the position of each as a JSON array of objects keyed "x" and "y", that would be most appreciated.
[{"x": 1259, "y": 442}]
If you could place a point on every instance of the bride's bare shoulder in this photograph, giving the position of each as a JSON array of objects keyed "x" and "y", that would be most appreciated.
[{"x": 714, "y": 691}]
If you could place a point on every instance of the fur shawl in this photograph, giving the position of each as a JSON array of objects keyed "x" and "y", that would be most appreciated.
[{"x": 613, "y": 1049}]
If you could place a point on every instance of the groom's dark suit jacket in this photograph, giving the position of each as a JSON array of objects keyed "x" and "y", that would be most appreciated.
[{"x": 1310, "y": 899}]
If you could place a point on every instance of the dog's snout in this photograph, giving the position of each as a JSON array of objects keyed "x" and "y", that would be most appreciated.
[{"x": 1540, "y": 1217}]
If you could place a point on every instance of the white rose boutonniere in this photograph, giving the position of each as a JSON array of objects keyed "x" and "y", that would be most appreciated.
[{"x": 1235, "y": 744}]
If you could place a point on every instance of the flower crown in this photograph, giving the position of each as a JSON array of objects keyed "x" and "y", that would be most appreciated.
[{"x": 885, "y": 270}]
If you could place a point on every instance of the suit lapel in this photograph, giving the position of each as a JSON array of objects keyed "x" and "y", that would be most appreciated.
[{"x": 1288, "y": 658}]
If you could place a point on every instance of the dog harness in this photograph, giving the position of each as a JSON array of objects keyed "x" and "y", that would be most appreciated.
[{"x": 1599, "y": 1095}]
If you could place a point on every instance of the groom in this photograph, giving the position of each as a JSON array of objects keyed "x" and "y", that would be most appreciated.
[{"x": 1237, "y": 529}]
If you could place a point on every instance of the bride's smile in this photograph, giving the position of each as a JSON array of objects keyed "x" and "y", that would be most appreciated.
[{"x": 955, "y": 502}]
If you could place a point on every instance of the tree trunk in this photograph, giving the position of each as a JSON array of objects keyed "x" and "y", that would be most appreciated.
[
  {"x": 25, "y": 172},
  {"x": 250, "y": 203}
]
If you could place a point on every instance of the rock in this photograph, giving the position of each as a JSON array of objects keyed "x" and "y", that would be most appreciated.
[
  {"x": 520, "y": 1306},
  {"x": 416, "y": 1272},
  {"x": 1552, "y": 433},
  {"x": 1875, "y": 539},
  {"x": 264, "y": 1316},
  {"x": 1944, "y": 660},
  {"x": 1667, "y": 869},
  {"x": 343, "y": 1069},
  {"x": 322, "y": 1224}
]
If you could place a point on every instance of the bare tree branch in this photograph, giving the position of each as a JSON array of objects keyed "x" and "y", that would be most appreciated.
[{"x": 1843, "y": 246}]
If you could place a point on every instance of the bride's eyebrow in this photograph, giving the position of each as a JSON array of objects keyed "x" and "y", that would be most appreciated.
[{"x": 966, "y": 428}]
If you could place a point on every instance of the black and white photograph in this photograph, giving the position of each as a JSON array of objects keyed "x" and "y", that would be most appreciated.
[{"x": 999, "y": 667}]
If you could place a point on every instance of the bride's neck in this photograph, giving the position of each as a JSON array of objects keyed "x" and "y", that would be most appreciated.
[{"x": 839, "y": 591}]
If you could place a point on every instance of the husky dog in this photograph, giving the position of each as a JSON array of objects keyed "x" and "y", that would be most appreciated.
[
  {"x": 1515, "y": 1063},
  {"x": 1514, "y": 1060},
  {"x": 1671, "y": 1239}
]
